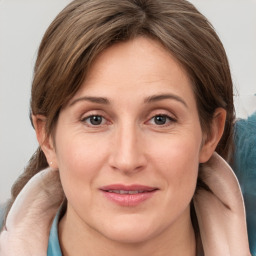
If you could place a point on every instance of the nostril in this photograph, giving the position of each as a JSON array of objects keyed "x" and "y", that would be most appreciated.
[{"x": 127, "y": 166}]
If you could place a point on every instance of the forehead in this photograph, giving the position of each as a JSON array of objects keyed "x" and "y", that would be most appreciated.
[{"x": 139, "y": 66}]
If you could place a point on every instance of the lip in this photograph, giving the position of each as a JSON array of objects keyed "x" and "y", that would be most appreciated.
[{"x": 128, "y": 195}]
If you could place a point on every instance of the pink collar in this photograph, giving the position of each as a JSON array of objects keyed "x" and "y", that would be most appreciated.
[{"x": 221, "y": 212}]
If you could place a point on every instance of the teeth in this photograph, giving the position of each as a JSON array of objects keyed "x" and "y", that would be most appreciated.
[
  {"x": 133, "y": 192},
  {"x": 122, "y": 192}
]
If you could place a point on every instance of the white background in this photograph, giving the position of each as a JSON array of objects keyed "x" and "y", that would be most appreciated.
[{"x": 22, "y": 24}]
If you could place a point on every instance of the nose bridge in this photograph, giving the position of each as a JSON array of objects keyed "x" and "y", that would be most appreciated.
[{"x": 127, "y": 154}]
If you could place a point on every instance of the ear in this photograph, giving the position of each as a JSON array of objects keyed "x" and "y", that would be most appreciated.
[
  {"x": 212, "y": 139},
  {"x": 45, "y": 141}
]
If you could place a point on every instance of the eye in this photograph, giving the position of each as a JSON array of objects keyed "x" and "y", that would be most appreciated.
[
  {"x": 161, "y": 120},
  {"x": 94, "y": 120}
]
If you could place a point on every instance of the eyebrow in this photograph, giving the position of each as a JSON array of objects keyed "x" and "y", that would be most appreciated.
[
  {"x": 160, "y": 97},
  {"x": 99, "y": 100},
  {"x": 150, "y": 99}
]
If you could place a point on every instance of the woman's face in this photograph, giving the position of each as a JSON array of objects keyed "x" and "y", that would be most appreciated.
[{"x": 128, "y": 144}]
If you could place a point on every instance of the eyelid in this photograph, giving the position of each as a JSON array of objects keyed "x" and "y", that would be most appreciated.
[
  {"x": 92, "y": 112},
  {"x": 162, "y": 112}
]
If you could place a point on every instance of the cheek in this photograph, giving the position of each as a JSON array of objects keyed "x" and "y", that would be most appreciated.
[
  {"x": 177, "y": 161},
  {"x": 80, "y": 161}
]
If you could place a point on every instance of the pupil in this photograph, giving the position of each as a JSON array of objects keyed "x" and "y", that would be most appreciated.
[
  {"x": 95, "y": 120},
  {"x": 160, "y": 120}
]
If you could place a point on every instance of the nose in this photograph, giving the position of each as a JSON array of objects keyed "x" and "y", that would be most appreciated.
[{"x": 128, "y": 151}]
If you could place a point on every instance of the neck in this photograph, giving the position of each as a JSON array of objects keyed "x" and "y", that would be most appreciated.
[{"x": 77, "y": 238}]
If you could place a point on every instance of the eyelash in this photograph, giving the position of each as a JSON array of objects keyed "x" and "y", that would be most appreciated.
[{"x": 168, "y": 120}]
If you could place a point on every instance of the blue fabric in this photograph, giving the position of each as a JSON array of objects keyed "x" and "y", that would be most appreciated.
[
  {"x": 54, "y": 245},
  {"x": 245, "y": 168}
]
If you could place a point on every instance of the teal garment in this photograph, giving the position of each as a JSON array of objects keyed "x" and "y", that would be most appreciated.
[
  {"x": 54, "y": 245},
  {"x": 245, "y": 169}
]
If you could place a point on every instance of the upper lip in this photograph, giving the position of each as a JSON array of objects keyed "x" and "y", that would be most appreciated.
[{"x": 133, "y": 187}]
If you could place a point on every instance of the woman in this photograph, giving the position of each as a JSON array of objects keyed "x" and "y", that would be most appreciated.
[{"x": 130, "y": 99}]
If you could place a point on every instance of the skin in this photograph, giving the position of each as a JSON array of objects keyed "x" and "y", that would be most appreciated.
[{"x": 130, "y": 147}]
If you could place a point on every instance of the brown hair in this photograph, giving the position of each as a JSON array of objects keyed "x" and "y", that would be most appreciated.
[{"x": 86, "y": 27}]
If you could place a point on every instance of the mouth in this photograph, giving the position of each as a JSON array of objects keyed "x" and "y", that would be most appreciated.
[
  {"x": 130, "y": 192},
  {"x": 131, "y": 195}
]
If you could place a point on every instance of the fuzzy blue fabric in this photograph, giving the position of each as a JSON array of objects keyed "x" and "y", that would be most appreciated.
[{"x": 245, "y": 169}]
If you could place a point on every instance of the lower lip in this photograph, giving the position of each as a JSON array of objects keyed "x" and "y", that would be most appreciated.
[{"x": 128, "y": 199}]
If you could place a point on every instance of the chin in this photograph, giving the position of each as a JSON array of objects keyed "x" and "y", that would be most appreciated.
[
  {"x": 134, "y": 236},
  {"x": 132, "y": 231}
]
